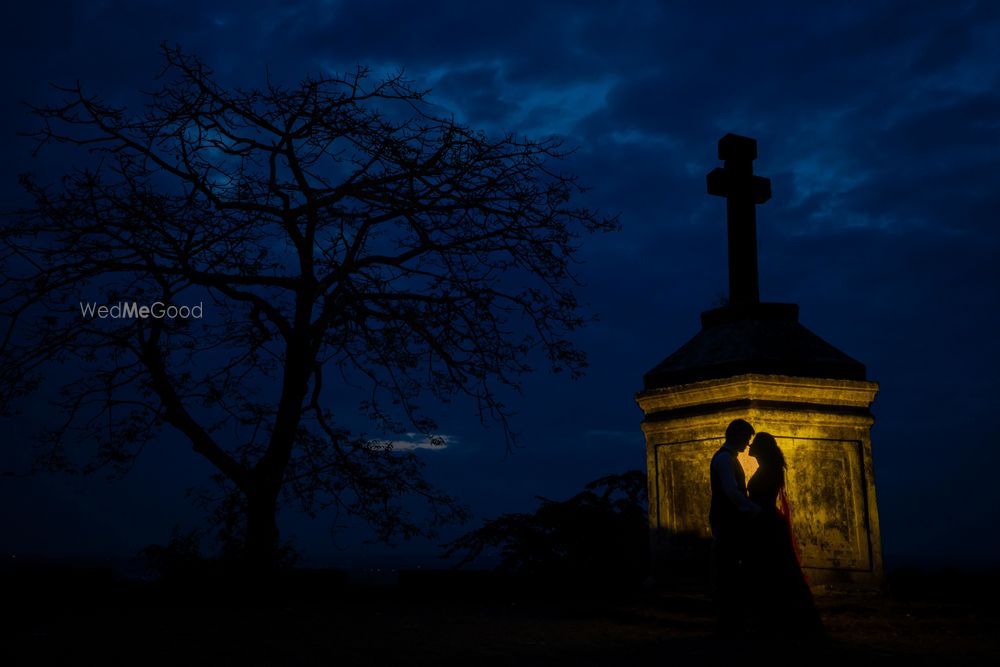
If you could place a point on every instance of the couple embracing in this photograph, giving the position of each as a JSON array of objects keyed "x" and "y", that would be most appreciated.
[{"x": 759, "y": 583}]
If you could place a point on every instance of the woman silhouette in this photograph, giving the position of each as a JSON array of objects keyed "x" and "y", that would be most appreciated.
[{"x": 781, "y": 602}]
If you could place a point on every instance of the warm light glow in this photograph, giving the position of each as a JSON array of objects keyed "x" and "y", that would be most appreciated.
[
  {"x": 823, "y": 428},
  {"x": 749, "y": 463}
]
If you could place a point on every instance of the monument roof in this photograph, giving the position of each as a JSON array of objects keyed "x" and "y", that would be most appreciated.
[
  {"x": 764, "y": 338},
  {"x": 748, "y": 336}
]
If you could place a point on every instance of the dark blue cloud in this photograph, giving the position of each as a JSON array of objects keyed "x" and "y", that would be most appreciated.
[{"x": 877, "y": 122}]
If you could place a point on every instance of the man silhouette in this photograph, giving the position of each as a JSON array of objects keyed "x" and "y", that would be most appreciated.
[{"x": 730, "y": 512}]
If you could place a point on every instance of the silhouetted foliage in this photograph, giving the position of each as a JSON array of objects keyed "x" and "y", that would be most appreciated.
[
  {"x": 601, "y": 534},
  {"x": 182, "y": 559},
  {"x": 178, "y": 557},
  {"x": 345, "y": 239}
]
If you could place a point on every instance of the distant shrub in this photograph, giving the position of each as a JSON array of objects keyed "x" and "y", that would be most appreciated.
[{"x": 600, "y": 534}]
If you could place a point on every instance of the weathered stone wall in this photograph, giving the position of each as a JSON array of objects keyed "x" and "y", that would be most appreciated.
[{"x": 824, "y": 429}]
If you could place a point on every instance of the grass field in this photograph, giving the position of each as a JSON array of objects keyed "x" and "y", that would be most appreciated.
[{"x": 927, "y": 621}]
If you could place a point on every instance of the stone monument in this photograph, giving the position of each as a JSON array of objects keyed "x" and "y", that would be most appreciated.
[{"x": 755, "y": 361}]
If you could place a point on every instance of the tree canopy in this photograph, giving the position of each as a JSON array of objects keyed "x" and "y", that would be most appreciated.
[
  {"x": 354, "y": 251},
  {"x": 599, "y": 536}
]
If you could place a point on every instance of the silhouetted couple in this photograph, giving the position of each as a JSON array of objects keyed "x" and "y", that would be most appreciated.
[{"x": 759, "y": 586}]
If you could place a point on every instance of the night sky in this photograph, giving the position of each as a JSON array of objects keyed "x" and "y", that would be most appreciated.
[{"x": 878, "y": 124}]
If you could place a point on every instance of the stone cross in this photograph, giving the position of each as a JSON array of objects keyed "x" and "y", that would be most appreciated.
[{"x": 743, "y": 191}]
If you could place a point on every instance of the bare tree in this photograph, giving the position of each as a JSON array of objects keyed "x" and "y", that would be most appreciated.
[{"x": 341, "y": 236}]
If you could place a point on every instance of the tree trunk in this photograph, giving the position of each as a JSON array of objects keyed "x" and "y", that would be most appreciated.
[{"x": 261, "y": 547}]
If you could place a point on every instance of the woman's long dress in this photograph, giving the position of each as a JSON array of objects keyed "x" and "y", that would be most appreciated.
[{"x": 781, "y": 602}]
